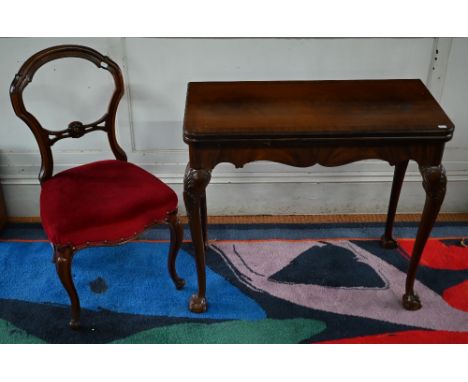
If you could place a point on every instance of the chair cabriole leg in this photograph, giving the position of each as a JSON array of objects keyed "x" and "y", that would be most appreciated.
[
  {"x": 177, "y": 235},
  {"x": 63, "y": 261}
]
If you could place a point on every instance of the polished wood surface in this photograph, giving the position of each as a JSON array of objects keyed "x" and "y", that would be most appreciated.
[
  {"x": 313, "y": 109},
  {"x": 302, "y": 123}
]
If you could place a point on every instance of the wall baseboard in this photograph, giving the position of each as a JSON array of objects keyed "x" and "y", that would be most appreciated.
[
  {"x": 298, "y": 219},
  {"x": 232, "y": 199}
]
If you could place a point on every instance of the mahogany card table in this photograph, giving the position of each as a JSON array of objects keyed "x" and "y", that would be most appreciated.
[{"x": 302, "y": 123}]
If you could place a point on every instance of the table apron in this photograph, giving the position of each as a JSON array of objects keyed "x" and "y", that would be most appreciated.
[{"x": 208, "y": 156}]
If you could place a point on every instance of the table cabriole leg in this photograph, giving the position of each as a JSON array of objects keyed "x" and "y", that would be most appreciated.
[
  {"x": 195, "y": 182},
  {"x": 387, "y": 241},
  {"x": 434, "y": 183}
]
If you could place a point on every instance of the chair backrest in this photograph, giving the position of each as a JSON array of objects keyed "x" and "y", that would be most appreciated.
[{"x": 46, "y": 138}]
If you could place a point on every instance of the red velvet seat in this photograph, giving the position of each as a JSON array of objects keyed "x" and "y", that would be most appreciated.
[
  {"x": 100, "y": 203},
  {"x": 106, "y": 201}
]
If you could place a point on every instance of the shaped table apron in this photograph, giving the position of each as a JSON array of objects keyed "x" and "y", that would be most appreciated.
[{"x": 308, "y": 153}]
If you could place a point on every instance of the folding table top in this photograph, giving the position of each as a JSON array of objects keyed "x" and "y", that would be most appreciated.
[{"x": 335, "y": 109}]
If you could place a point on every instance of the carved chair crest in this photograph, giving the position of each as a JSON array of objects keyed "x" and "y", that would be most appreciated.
[{"x": 76, "y": 129}]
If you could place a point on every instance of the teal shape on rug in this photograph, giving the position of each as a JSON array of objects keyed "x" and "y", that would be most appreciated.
[
  {"x": 268, "y": 331},
  {"x": 10, "y": 334},
  {"x": 130, "y": 278}
]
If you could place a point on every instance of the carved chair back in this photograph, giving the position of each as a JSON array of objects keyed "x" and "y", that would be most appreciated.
[{"x": 76, "y": 129}]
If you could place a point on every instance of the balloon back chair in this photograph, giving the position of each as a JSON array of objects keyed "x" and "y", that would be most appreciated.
[{"x": 107, "y": 202}]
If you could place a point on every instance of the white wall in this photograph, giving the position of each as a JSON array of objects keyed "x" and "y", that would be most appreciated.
[{"x": 150, "y": 116}]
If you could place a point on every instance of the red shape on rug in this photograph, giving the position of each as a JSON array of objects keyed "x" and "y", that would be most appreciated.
[
  {"x": 407, "y": 337},
  {"x": 439, "y": 255},
  {"x": 457, "y": 296}
]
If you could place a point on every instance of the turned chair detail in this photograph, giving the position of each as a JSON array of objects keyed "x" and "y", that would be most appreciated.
[{"x": 107, "y": 202}]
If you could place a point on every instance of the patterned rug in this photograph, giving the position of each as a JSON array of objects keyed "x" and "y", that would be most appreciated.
[{"x": 266, "y": 283}]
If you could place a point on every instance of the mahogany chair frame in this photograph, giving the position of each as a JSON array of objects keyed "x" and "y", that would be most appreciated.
[{"x": 63, "y": 254}]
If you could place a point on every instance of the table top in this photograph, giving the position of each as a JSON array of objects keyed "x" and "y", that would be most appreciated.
[{"x": 347, "y": 109}]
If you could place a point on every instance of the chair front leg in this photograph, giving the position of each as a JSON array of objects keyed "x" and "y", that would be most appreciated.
[
  {"x": 63, "y": 257},
  {"x": 177, "y": 235}
]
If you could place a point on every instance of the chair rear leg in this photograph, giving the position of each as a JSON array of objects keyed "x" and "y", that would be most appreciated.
[
  {"x": 63, "y": 257},
  {"x": 177, "y": 235}
]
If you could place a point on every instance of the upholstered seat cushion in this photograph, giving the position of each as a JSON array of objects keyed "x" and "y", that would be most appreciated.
[{"x": 102, "y": 201}]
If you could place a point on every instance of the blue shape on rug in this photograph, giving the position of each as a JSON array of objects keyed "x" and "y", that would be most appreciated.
[
  {"x": 339, "y": 267},
  {"x": 130, "y": 278}
]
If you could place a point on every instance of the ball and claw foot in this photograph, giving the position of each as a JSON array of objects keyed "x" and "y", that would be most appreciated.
[
  {"x": 411, "y": 302},
  {"x": 197, "y": 304},
  {"x": 179, "y": 283},
  {"x": 388, "y": 243},
  {"x": 74, "y": 324}
]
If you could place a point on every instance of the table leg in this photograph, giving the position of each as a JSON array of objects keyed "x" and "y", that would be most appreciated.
[
  {"x": 434, "y": 183},
  {"x": 387, "y": 240},
  {"x": 195, "y": 183}
]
